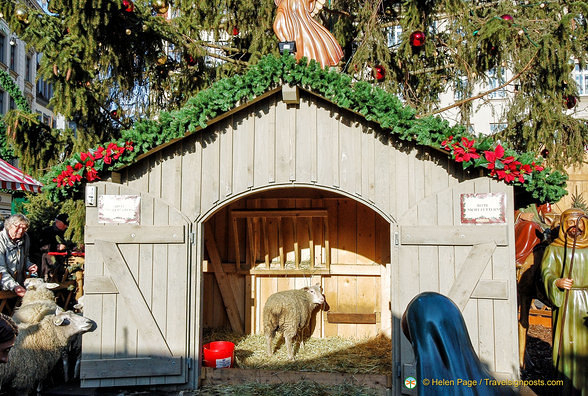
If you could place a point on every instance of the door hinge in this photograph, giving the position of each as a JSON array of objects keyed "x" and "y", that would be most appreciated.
[
  {"x": 192, "y": 237},
  {"x": 189, "y": 362},
  {"x": 396, "y": 238},
  {"x": 398, "y": 370}
]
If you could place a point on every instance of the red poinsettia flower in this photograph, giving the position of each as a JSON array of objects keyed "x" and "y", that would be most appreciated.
[
  {"x": 92, "y": 174},
  {"x": 446, "y": 143},
  {"x": 90, "y": 164},
  {"x": 78, "y": 166},
  {"x": 129, "y": 145},
  {"x": 465, "y": 150},
  {"x": 492, "y": 156},
  {"x": 99, "y": 153},
  {"x": 536, "y": 167}
]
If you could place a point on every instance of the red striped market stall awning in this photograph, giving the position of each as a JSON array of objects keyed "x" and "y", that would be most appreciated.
[{"x": 12, "y": 178}]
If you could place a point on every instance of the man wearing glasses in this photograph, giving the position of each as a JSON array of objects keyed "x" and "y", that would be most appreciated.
[{"x": 14, "y": 254}]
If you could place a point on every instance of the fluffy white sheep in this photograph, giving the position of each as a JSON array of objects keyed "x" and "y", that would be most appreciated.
[
  {"x": 38, "y": 301},
  {"x": 38, "y": 348},
  {"x": 290, "y": 312}
]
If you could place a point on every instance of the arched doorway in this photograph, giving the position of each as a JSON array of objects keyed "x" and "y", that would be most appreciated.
[{"x": 291, "y": 237}]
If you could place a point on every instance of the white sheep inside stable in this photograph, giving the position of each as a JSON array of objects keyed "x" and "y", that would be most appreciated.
[
  {"x": 38, "y": 348},
  {"x": 290, "y": 312}
]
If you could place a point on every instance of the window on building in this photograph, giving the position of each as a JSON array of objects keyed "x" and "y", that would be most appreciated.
[
  {"x": 2, "y": 107},
  {"x": 581, "y": 77},
  {"x": 494, "y": 81},
  {"x": 29, "y": 69},
  {"x": 3, "y": 48},
  {"x": 13, "y": 53},
  {"x": 496, "y": 127},
  {"x": 44, "y": 89},
  {"x": 394, "y": 36}
]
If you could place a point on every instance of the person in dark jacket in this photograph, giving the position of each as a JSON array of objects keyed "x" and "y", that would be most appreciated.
[{"x": 52, "y": 240}]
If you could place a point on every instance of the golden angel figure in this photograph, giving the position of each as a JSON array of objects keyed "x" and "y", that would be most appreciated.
[{"x": 294, "y": 22}]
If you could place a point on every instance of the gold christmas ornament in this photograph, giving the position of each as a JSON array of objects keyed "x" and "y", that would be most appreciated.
[
  {"x": 128, "y": 32},
  {"x": 162, "y": 59},
  {"x": 21, "y": 14},
  {"x": 160, "y": 6}
]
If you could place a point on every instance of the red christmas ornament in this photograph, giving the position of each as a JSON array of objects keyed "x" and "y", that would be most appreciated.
[
  {"x": 189, "y": 59},
  {"x": 417, "y": 39},
  {"x": 128, "y": 6},
  {"x": 379, "y": 72},
  {"x": 507, "y": 17},
  {"x": 114, "y": 113},
  {"x": 235, "y": 31},
  {"x": 570, "y": 101}
]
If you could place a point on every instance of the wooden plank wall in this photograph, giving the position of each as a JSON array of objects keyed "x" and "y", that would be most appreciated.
[{"x": 271, "y": 144}]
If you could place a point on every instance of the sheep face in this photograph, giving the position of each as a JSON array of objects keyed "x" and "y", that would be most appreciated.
[
  {"x": 37, "y": 283},
  {"x": 71, "y": 323},
  {"x": 316, "y": 294}
]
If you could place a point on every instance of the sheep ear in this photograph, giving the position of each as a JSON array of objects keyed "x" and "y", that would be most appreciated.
[
  {"x": 58, "y": 320},
  {"x": 58, "y": 310},
  {"x": 51, "y": 285}
]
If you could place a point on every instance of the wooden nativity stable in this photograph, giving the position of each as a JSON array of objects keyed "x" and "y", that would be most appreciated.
[{"x": 286, "y": 191}]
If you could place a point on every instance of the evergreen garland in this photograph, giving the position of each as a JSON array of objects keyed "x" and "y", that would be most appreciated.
[{"x": 370, "y": 101}]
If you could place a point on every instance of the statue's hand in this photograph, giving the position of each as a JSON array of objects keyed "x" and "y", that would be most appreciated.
[{"x": 564, "y": 283}]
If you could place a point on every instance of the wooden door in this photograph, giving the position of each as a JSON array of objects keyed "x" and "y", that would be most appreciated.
[
  {"x": 473, "y": 264},
  {"x": 137, "y": 288}
]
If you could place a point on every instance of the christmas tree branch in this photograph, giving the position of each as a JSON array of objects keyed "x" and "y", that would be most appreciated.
[{"x": 456, "y": 104}]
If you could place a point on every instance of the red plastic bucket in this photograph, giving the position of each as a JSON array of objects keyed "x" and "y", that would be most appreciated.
[{"x": 219, "y": 354}]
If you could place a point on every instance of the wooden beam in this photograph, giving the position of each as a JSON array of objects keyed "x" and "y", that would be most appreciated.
[
  {"x": 453, "y": 235},
  {"x": 99, "y": 285},
  {"x": 127, "y": 233},
  {"x": 296, "y": 247},
  {"x": 310, "y": 271},
  {"x": 237, "y": 253},
  {"x": 311, "y": 243},
  {"x": 492, "y": 289},
  {"x": 327, "y": 244},
  {"x": 281, "y": 243},
  {"x": 469, "y": 273},
  {"x": 133, "y": 367},
  {"x": 221, "y": 278},
  {"x": 244, "y": 213},
  {"x": 344, "y": 317}
]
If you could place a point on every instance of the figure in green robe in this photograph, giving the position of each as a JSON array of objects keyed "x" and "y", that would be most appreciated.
[{"x": 570, "y": 356}]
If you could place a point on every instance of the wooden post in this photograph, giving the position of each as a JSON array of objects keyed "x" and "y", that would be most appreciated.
[
  {"x": 296, "y": 247},
  {"x": 221, "y": 278},
  {"x": 281, "y": 243}
]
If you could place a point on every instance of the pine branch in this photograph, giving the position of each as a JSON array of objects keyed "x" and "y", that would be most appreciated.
[{"x": 461, "y": 102}]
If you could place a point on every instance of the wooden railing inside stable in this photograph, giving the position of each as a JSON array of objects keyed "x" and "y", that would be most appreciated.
[{"x": 299, "y": 219}]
